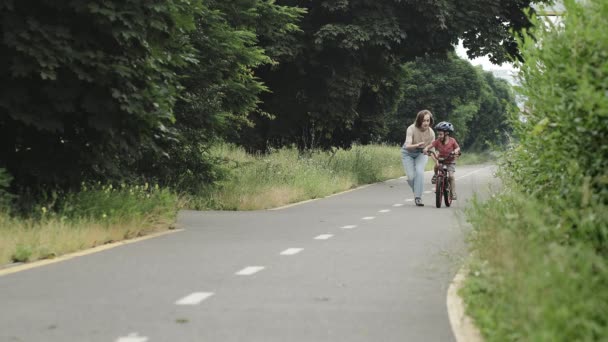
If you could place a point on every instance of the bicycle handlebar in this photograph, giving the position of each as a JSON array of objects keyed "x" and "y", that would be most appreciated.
[{"x": 429, "y": 152}]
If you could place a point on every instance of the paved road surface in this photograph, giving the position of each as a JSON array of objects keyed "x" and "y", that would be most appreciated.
[{"x": 366, "y": 265}]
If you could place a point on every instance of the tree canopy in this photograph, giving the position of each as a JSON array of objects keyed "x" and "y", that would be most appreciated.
[
  {"x": 121, "y": 90},
  {"x": 475, "y": 101},
  {"x": 87, "y": 84},
  {"x": 344, "y": 79}
]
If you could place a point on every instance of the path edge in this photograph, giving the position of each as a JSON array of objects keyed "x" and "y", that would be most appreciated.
[{"x": 462, "y": 324}]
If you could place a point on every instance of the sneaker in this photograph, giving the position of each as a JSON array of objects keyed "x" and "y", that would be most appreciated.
[
  {"x": 419, "y": 202},
  {"x": 434, "y": 179}
]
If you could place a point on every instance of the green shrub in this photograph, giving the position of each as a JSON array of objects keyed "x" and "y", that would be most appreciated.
[
  {"x": 112, "y": 204},
  {"x": 562, "y": 153},
  {"x": 5, "y": 196},
  {"x": 22, "y": 254},
  {"x": 526, "y": 283},
  {"x": 540, "y": 247}
]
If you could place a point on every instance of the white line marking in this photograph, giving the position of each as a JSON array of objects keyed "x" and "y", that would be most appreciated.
[
  {"x": 194, "y": 298},
  {"x": 384, "y": 211},
  {"x": 398, "y": 205},
  {"x": 427, "y": 192},
  {"x": 351, "y": 226},
  {"x": 473, "y": 172},
  {"x": 291, "y": 251},
  {"x": 132, "y": 337},
  {"x": 323, "y": 237},
  {"x": 249, "y": 270},
  {"x": 409, "y": 199},
  {"x": 368, "y": 217}
]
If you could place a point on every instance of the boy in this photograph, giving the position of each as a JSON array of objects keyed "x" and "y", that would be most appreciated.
[{"x": 447, "y": 148}]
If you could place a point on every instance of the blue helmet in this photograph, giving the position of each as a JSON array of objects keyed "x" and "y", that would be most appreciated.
[{"x": 445, "y": 126}]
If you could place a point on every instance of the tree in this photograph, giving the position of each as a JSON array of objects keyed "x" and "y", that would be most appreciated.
[
  {"x": 88, "y": 87},
  {"x": 491, "y": 126},
  {"x": 448, "y": 87},
  {"x": 221, "y": 90},
  {"x": 338, "y": 86}
]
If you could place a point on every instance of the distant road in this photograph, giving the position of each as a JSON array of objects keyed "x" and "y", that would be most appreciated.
[{"x": 365, "y": 265}]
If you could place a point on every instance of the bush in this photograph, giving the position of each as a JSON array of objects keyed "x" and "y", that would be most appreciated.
[
  {"x": 541, "y": 247},
  {"x": 562, "y": 154},
  {"x": 92, "y": 84},
  {"x": 5, "y": 196}
]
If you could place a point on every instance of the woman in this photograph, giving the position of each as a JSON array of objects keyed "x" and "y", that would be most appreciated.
[{"x": 418, "y": 136}]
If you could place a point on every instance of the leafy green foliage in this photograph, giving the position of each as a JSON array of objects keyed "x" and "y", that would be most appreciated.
[
  {"x": 490, "y": 125},
  {"x": 22, "y": 253},
  {"x": 449, "y": 88},
  {"x": 492, "y": 27},
  {"x": 220, "y": 91},
  {"x": 89, "y": 86},
  {"x": 565, "y": 122},
  {"x": 5, "y": 195},
  {"x": 525, "y": 286},
  {"x": 541, "y": 246},
  {"x": 473, "y": 100},
  {"x": 345, "y": 78}
]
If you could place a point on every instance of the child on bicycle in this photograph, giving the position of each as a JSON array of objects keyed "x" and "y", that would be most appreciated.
[{"x": 447, "y": 148}]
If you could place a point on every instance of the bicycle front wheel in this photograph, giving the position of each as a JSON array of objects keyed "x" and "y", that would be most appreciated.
[
  {"x": 438, "y": 191},
  {"x": 447, "y": 194}
]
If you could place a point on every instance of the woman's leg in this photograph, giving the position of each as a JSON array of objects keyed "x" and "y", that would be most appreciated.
[
  {"x": 420, "y": 163},
  {"x": 408, "y": 167}
]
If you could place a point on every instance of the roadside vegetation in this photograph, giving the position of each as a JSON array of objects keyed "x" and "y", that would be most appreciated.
[
  {"x": 540, "y": 247},
  {"x": 285, "y": 175}
]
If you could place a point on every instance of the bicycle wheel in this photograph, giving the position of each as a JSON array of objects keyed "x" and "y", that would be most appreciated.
[
  {"x": 438, "y": 191},
  {"x": 447, "y": 194}
]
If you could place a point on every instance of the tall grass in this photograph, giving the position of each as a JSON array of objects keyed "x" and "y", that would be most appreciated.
[
  {"x": 94, "y": 216},
  {"x": 286, "y": 175},
  {"x": 526, "y": 283}
]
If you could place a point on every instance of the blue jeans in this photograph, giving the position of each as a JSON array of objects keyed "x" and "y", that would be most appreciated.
[{"x": 414, "y": 163}]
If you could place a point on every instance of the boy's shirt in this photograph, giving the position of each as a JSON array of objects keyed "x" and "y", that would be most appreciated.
[{"x": 445, "y": 150}]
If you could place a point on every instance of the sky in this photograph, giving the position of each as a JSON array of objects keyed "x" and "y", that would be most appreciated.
[
  {"x": 483, "y": 61},
  {"x": 506, "y": 70}
]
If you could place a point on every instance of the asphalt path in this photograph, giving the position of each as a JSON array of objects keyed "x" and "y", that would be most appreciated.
[{"x": 364, "y": 265}]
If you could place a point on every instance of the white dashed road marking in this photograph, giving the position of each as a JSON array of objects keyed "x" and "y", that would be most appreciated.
[
  {"x": 323, "y": 237},
  {"x": 368, "y": 218},
  {"x": 194, "y": 298},
  {"x": 132, "y": 337},
  {"x": 384, "y": 211},
  {"x": 398, "y": 205},
  {"x": 409, "y": 199},
  {"x": 427, "y": 192},
  {"x": 351, "y": 226},
  {"x": 473, "y": 172},
  {"x": 249, "y": 270},
  {"x": 291, "y": 251}
]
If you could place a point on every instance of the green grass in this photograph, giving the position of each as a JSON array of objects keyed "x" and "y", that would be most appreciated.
[
  {"x": 286, "y": 176},
  {"x": 95, "y": 216},
  {"x": 525, "y": 284}
]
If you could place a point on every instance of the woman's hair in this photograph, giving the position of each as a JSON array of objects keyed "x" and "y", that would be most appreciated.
[{"x": 420, "y": 117}]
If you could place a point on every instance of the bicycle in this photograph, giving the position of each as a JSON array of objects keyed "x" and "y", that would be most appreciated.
[{"x": 442, "y": 183}]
